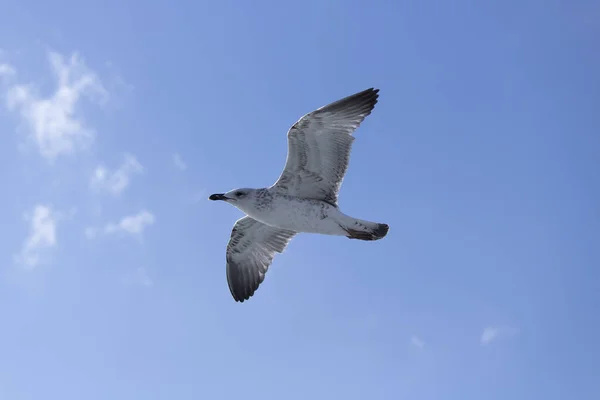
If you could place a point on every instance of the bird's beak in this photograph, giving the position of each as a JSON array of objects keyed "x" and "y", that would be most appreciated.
[{"x": 217, "y": 196}]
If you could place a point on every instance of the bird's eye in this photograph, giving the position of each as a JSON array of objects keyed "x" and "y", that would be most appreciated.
[{"x": 239, "y": 194}]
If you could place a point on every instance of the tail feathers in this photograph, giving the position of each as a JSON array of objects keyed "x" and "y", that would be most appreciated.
[{"x": 367, "y": 230}]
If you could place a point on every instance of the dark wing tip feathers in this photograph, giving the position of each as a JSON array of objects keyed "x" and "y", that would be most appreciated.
[
  {"x": 363, "y": 102},
  {"x": 245, "y": 275},
  {"x": 242, "y": 282}
]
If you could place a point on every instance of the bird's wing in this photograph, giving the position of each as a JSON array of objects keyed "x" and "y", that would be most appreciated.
[
  {"x": 319, "y": 147},
  {"x": 250, "y": 251}
]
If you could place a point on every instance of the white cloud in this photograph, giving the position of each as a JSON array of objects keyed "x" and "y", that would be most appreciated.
[
  {"x": 54, "y": 122},
  {"x": 491, "y": 334},
  {"x": 90, "y": 232},
  {"x": 7, "y": 72},
  {"x": 143, "y": 277},
  {"x": 117, "y": 181},
  {"x": 179, "y": 163},
  {"x": 417, "y": 342},
  {"x": 42, "y": 236},
  {"x": 133, "y": 224},
  {"x": 488, "y": 335},
  {"x": 139, "y": 276}
]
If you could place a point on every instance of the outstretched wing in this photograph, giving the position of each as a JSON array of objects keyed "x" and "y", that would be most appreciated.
[
  {"x": 319, "y": 147},
  {"x": 250, "y": 251}
]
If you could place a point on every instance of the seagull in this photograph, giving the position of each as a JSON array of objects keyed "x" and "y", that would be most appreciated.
[{"x": 304, "y": 198}]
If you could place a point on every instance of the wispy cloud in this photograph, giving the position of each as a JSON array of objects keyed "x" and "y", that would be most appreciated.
[
  {"x": 90, "y": 232},
  {"x": 132, "y": 224},
  {"x": 7, "y": 71},
  {"x": 488, "y": 335},
  {"x": 55, "y": 122},
  {"x": 417, "y": 342},
  {"x": 179, "y": 163},
  {"x": 42, "y": 236},
  {"x": 116, "y": 181},
  {"x": 491, "y": 334},
  {"x": 143, "y": 278},
  {"x": 139, "y": 276}
]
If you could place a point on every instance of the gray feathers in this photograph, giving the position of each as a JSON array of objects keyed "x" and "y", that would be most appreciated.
[
  {"x": 319, "y": 146},
  {"x": 250, "y": 251}
]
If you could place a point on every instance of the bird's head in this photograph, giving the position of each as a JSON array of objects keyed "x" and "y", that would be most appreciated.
[{"x": 240, "y": 198}]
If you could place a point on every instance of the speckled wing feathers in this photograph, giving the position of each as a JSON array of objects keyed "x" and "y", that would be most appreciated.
[
  {"x": 250, "y": 252},
  {"x": 319, "y": 146}
]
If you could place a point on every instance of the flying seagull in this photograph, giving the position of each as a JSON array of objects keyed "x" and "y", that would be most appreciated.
[{"x": 304, "y": 198}]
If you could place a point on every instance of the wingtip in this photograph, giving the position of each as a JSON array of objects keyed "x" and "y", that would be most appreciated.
[
  {"x": 241, "y": 293},
  {"x": 371, "y": 94},
  {"x": 243, "y": 298},
  {"x": 370, "y": 91}
]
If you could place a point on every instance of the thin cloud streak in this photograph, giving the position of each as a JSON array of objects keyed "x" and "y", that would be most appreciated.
[
  {"x": 41, "y": 238},
  {"x": 417, "y": 342},
  {"x": 133, "y": 224},
  {"x": 116, "y": 182},
  {"x": 491, "y": 334},
  {"x": 179, "y": 163}
]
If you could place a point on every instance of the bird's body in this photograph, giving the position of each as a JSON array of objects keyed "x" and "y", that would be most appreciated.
[
  {"x": 299, "y": 215},
  {"x": 304, "y": 198}
]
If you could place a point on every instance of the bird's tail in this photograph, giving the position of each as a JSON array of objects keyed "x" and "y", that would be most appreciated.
[{"x": 366, "y": 230}]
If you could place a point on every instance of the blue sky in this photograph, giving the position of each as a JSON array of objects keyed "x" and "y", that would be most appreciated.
[{"x": 118, "y": 119}]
